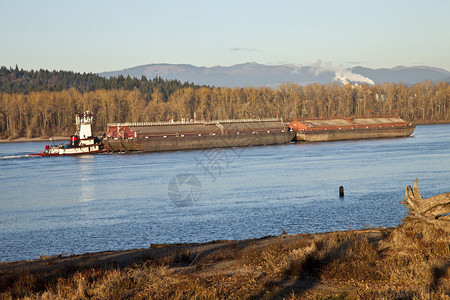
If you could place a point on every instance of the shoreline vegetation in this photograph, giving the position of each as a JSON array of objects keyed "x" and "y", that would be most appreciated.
[
  {"x": 410, "y": 261},
  {"x": 42, "y": 103}
]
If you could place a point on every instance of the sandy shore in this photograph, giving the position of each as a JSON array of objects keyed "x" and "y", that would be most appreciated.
[
  {"x": 128, "y": 257},
  {"x": 204, "y": 259},
  {"x": 432, "y": 122},
  {"x": 155, "y": 252},
  {"x": 38, "y": 139}
]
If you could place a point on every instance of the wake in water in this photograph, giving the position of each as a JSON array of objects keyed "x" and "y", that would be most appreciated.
[{"x": 17, "y": 156}]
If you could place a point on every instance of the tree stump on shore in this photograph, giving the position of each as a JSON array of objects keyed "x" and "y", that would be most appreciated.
[{"x": 434, "y": 210}]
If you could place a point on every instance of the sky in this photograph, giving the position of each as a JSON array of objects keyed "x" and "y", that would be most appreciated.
[{"x": 97, "y": 35}]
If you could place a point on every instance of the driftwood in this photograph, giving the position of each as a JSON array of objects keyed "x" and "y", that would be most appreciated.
[{"x": 434, "y": 210}]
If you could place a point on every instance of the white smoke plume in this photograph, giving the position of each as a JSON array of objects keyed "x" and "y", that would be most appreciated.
[{"x": 342, "y": 74}]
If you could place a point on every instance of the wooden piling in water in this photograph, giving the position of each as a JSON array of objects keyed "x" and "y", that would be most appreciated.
[{"x": 341, "y": 191}]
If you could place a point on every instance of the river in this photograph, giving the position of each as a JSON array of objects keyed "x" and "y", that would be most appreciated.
[{"x": 74, "y": 205}]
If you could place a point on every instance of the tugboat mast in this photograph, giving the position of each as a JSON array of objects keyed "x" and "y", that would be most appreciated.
[{"x": 84, "y": 122}]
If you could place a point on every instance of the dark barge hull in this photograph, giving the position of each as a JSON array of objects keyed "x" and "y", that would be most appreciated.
[
  {"x": 197, "y": 142},
  {"x": 354, "y": 134},
  {"x": 173, "y": 136}
]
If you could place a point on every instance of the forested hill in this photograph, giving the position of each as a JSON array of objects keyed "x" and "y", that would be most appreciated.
[{"x": 15, "y": 81}]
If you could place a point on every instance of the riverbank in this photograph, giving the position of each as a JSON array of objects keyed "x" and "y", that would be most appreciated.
[
  {"x": 432, "y": 122},
  {"x": 403, "y": 262},
  {"x": 36, "y": 139}
]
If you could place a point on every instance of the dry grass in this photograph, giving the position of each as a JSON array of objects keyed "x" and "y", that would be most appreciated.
[{"x": 411, "y": 261}]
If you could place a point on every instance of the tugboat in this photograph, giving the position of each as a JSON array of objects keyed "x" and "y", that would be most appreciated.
[{"x": 82, "y": 142}]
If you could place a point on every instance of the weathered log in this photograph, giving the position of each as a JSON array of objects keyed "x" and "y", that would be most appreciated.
[{"x": 434, "y": 210}]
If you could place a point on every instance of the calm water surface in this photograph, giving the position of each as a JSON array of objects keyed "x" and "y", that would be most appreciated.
[{"x": 54, "y": 205}]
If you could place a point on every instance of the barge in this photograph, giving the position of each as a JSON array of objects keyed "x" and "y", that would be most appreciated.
[
  {"x": 351, "y": 128},
  {"x": 169, "y": 136}
]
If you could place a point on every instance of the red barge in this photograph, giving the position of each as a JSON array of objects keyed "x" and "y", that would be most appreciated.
[{"x": 351, "y": 128}]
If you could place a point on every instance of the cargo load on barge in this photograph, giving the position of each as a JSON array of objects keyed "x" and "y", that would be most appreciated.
[
  {"x": 351, "y": 128},
  {"x": 169, "y": 136}
]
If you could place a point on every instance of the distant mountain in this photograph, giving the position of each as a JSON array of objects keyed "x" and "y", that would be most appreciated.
[
  {"x": 253, "y": 74},
  {"x": 407, "y": 75}
]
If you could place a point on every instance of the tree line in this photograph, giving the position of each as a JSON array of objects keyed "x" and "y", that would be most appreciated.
[
  {"x": 50, "y": 113},
  {"x": 17, "y": 80}
]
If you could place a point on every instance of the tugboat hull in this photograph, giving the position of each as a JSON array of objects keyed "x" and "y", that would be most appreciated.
[{"x": 56, "y": 151}]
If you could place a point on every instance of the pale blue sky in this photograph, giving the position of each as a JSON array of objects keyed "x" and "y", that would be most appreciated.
[{"x": 96, "y": 36}]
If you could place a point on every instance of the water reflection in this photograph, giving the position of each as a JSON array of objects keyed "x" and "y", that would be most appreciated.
[{"x": 87, "y": 176}]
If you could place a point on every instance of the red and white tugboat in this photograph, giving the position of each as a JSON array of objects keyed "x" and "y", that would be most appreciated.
[{"x": 81, "y": 143}]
